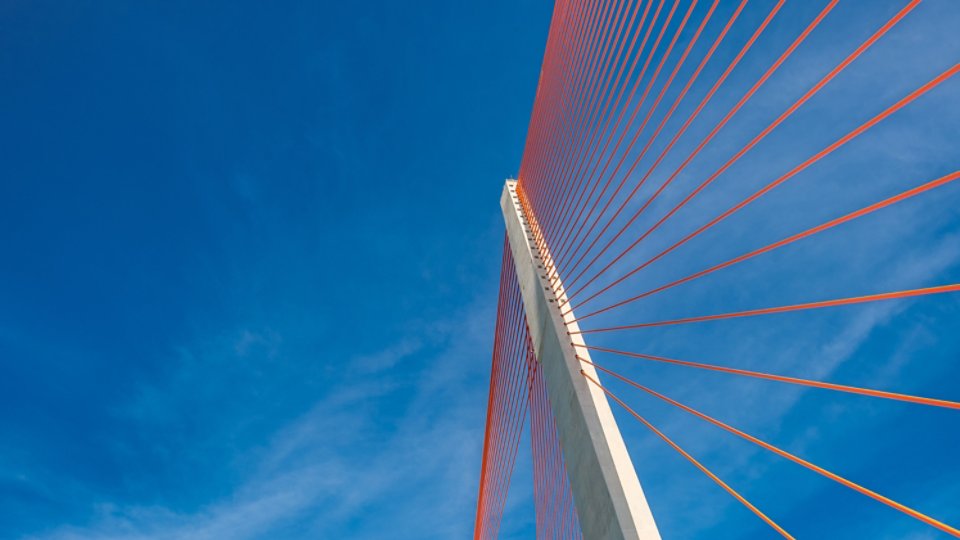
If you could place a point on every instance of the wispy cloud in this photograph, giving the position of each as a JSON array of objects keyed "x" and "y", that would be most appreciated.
[{"x": 353, "y": 461}]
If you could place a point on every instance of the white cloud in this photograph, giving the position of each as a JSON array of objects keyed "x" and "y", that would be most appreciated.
[{"x": 338, "y": 467}]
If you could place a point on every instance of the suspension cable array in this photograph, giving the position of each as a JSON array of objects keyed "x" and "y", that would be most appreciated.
[{"x": 663, "y": 127}]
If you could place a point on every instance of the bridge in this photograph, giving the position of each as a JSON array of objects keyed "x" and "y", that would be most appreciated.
[{"x": 726, "y": 149}]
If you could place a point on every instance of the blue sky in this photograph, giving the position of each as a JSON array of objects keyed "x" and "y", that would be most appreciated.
[
  {"x": 251, "y": 254},
  {"x": 250, "y": 263}
]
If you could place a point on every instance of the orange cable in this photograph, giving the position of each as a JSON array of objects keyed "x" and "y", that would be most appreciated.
[
  {"x": 800, "y": 461},
  {"x": 783, "y": 309},
  {"x": 693, "y": 460},
  {"x": 779, "y": 378}
]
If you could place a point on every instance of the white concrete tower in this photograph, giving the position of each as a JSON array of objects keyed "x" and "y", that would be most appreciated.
[{"x": 606, "y": 491}]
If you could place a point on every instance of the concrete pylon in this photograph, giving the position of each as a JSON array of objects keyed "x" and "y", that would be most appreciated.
[{"x": 606, "y": 491}]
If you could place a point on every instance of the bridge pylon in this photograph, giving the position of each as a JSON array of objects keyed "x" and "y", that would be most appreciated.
[{"x": 609, "y": 501}]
